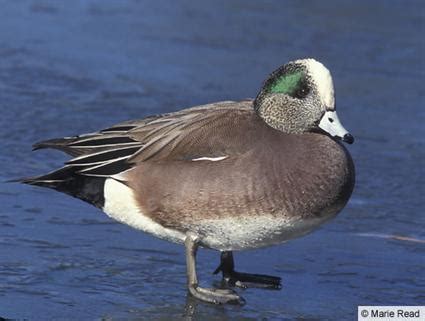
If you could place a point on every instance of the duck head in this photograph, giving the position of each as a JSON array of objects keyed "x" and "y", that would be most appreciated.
[{"x": 299, "y": 97}]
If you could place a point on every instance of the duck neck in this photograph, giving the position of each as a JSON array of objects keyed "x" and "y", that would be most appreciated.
[{"x": 286, "y": 119}]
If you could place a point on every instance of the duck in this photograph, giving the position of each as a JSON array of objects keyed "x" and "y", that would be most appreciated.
[{"x": 227, "y": 176}]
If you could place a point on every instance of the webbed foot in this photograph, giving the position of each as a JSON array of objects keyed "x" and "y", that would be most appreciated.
[
  {"x": 216, "y": 296},
  {"x": 244, "y": 280}
]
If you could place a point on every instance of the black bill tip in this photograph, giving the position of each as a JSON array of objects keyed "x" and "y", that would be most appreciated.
[{"x": 348, "y": 138}]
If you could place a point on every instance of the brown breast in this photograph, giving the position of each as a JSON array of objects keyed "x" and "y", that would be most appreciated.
[{"x": 306, "y": 175}]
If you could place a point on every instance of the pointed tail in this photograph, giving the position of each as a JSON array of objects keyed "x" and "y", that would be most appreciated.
[{"x": 87, "y": 188}]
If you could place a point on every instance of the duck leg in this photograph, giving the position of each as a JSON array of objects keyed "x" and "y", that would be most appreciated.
[
  {"x": 216, "y": 296},
  {"x": 244, "y": 280}
]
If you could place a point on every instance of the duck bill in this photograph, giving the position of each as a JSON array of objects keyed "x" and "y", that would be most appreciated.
[{"x": 330, "y": 123}]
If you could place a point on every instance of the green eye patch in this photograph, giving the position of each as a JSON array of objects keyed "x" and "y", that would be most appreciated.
[{"x": 287, "y": 84}]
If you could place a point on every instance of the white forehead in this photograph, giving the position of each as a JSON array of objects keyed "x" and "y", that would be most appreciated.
[{"x": 323, "y": 80}]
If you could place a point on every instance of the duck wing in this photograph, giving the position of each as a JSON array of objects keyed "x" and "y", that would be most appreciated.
[{"x": 213, "y": 130}]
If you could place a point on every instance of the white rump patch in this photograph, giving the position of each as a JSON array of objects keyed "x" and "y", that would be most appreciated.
[
  {"x": 212, "y": 159},
  {"x": 323, "y": 80},
  {"x": 120, "y": 205}
]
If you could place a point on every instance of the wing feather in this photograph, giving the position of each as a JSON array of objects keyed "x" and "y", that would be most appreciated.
[{"x": 119, "y": 147}]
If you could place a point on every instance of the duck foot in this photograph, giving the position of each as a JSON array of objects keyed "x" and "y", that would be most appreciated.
[
  {"x": 244, "y": 280},
  {"x": 216, "y": 296}
]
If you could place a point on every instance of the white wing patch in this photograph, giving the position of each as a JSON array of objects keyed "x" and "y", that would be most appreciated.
[{"x": 211, "y": 159}]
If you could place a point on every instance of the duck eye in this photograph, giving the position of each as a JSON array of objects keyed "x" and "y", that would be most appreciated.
[
  {"x": 301, "y": 92},
  {"x": 331, "y": 120}
]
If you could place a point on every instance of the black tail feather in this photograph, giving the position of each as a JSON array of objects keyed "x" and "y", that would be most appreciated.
[
  {"x": 53, "y": 143},
  {"x": 66, "y": 180},
  {"x": 81, "y": 179},
  {"x": 61, "y": 144}
]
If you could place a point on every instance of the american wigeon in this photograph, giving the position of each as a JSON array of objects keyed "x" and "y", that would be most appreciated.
[{"x": 225, "y": 176}]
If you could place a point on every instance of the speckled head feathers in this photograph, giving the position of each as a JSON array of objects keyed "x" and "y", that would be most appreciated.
[{"x": 296, "y": 95}]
